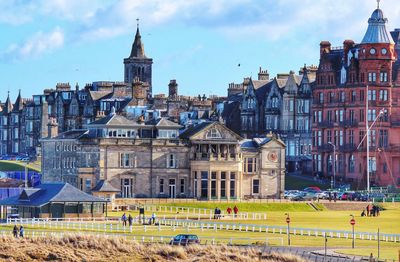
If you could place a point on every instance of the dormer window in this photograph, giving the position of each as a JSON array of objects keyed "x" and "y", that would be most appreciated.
[{"x": 214, "y": 133}]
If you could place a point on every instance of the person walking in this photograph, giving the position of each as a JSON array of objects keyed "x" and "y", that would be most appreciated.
[
  {"x": 130, "y": 220},
  {"x": 235, "y": 210},
  {"x": 229, "y": 210},
  {"x": 15, "y": 231},
  {"x": 153, "y": 218},
  {"x": 215, "y": 212},
  {"x": 123, "y": 218},
  {"x": 368, "y": 210},
  {"x": 21, "y": 231}
]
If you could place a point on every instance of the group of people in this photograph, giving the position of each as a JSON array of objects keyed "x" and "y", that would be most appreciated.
[
  {"x": 18, "y": 232},
  {"x": 126, "y": 219},
  {"x": 217, "y": 212},
  {"x": 129, "y": 219},
  {"x": 371, "y": 211}
]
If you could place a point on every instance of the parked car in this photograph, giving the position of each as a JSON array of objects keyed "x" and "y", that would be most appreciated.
[
  {"x": 313, "y": 189},
  {"x": 13, "y": 216},
  {"x": 290, "y": 193},
  {"x": 184, "y": 240},
  {"x": 357, "y": 196}
]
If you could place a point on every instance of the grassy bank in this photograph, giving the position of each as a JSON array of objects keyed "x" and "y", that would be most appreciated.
[
  {"x": 90, "y": 248},
  {"x": 6, "y": 165}
]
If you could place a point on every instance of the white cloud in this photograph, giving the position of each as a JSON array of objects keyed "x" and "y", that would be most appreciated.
[{"x": 34, "y": 46}]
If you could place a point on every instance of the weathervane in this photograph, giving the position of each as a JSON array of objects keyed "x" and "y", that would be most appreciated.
[
  {"x": 378, "y": 1},
  {"x": 137, "y": 22}
]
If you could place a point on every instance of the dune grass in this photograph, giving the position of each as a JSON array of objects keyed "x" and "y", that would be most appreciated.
[{"x": 75, "y": 247}]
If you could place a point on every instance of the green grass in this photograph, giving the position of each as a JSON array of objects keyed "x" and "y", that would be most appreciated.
[
  {"x": 247, "y": 207},
  {"x": 6, "y": 165},
  {"x": 388, "y": 253},
  {"x": 292, "y": 183},
  {"x": 302, "y": 216}
]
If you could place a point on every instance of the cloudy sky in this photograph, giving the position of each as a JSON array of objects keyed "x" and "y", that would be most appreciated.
[{"x": 198, "y": 42}]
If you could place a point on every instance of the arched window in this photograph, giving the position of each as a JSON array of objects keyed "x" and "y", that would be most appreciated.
[
  {"x": 352, "y": 164},
  {"x": 213, "y": 133}
]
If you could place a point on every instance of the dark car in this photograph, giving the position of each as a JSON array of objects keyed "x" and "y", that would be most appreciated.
[
  {"x": 184, "y": 240},
  {"x": 357, "y": 196}
]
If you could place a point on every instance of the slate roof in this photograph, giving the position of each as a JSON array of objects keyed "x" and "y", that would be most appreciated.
[
  {"x": 194, "y": 130},
  {"x": 49, "y": 192},
  {"x": 104, "y": 186},
  {"x": 376, "y": 32},
  {"x": 114, "y": 120},
  {"x": 164, "y": 123},
  {"x": 257, "y": 142},
  {"x": 72, "y": 134},
  {"x": 96, "y": 95}
]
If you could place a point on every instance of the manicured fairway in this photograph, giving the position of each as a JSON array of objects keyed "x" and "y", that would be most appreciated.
[{"x": 303, "y": 216}]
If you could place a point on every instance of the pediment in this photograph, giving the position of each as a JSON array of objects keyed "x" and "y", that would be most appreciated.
[{"x": 216, "y": 132}]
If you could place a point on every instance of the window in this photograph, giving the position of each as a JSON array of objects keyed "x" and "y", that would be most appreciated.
[
  {"x": 353, "y": 96},
  {"x": 319, "y": 116},
  {"x": 383, "y": 77},
  {"x": 342, "y": 96},
  {"x": 329, "y": 136},
  {"x": 213, "y": 184},
  {"x": 341, "y": 115},
  {"x": 88, "y": 184},
  {"x": 372, "y": 138},
  {"x": 371, "y": 95},
  {"x": 291, "y": 105},
  {"x": 352, "y": 164},
  {"x": 362, "y": 118},
  {"x": 214, "y": 133},
  {"x": 274, "y": 102},
  {"x": 371, "y": 114},
  {"x": 341, "y": 136},
  {"x": 329, "y": 116},
  {"x": 182, "y": 186},
  {"x": 331, "y": 97},
  {"x": 232, "y": 185},
  {"x": 256, "y": 186},
  {"x": 319, "y": 133},
  {"x": 250, "y": 165},
  {"x": 383, "y": 95},
  {"x": 321, "y": 98},
  {"x": 161, "y": 186},
  {"x": 167, "y": 133},
  {"x": 223, "y": 184},
  {"x": 371, "y": 77},
  {"x": 372, "y": 164},
  {"x": 351, "y": 137},
  {"x": 383, "y": 138},
  {"x": 361, "y": 135},
  {"x": 127, "y": 160},
  {"x": 171, "y": 161},
  {"x": 361, "y": 95}
]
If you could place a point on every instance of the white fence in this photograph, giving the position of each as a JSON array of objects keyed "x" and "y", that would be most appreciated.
[{"x": 190, "y": 225}]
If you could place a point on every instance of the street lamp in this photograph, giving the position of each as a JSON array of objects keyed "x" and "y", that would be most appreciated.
[
  {"x": 334, "y": 163},
  {"x": 288, "y": 227},
  {"x": 352, "y": 223}
]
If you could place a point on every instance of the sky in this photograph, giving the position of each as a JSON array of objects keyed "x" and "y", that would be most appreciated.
[{"x": 200, "y": 43}]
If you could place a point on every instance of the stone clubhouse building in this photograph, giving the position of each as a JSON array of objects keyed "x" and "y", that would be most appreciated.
[{"x": 157, "y": 159}]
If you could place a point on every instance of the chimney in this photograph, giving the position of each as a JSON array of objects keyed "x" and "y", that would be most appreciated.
[
  {"x": 324, "y": 47},
  {"x": 52, "y": 128},
  {"x": 172, "y": 89},
  {"x": 263, "y": 74}
]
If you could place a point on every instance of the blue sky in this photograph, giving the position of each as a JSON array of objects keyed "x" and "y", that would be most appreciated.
[{"x": 198, "y": 42}]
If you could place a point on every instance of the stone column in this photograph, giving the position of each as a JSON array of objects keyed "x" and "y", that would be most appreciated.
[
  {"x": 209, "y": 185},
  {"x": 218, "y": 186},
  {"x": 228, "y": 185},
  {"x": 238, "y": 185}
]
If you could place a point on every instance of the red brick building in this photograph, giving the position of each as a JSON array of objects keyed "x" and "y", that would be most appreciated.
[{"x": 348, "y": 78}]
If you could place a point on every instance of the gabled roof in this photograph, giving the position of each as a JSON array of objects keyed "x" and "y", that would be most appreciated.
[
  {"x": 72, "y": 134},
  {"x": 259, "y": 142},
  {"x": 104, "y": 186},
  {"x": 193, "y": 130},
  {"x": 49, "y": 192},
  {"x": 163, "y": 122},
  {"x": 96, "y": 95},
  {"x": 113, "y": 120}
]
